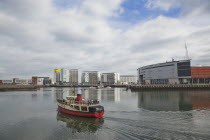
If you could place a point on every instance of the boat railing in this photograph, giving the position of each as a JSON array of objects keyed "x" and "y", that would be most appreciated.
[{"x": 89, "y": 102}]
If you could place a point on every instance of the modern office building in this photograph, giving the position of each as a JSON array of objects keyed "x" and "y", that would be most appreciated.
[
  {"x": 90, "y": 78},
  {"x": 174, "y": 72},
  {"x": 73, "y": 76},
  {"x": 57, "y": 76},
  {"x": 38, "y": 80},
  {"x": 128, "y": 79},
  {"x": 64, "y": 75},
  {"x": 110, "y": 78}
]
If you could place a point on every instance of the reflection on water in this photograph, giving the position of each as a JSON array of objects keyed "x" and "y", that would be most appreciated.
[
  {"x": 174, "y": 100},
  {"x": 80, "y": 124},
  {"x": 149, "y": 100},
  {"x": 104, "y": 94}
]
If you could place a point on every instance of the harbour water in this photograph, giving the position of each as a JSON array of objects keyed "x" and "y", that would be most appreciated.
[{"x": 128, "y": 115}]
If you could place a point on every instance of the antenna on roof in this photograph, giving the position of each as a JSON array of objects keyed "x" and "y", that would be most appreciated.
[
  {"x": 172, "y": 59},
  {"x": 186, "y": 52}
]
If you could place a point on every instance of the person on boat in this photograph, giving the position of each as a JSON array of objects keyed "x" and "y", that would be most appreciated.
[{"x": 89, "y": 102}]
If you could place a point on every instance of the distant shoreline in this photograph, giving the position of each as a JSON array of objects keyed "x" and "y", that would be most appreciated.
[
  {"x": 33, "y": 87},
  {"x": 88, "y": 86},
  {"x": 132, "y": 87}
]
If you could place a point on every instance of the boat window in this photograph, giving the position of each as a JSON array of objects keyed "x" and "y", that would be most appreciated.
[
  {"x": 71, "y": 106},
  {"x": 84, "y": 108},
  {"x": 76, "y": 107}
]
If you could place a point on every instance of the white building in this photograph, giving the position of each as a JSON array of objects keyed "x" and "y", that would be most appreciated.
[
  {"x": 22, "y": 81},
  {"x": 65, "y": 75},
  {"x": 128, "y": 79},
  {"x": 7, "y": 82},
  {"x": 90, "y": 78},
  {"x": 40, "y": 81},
  {"x": 110, "y": 78}
]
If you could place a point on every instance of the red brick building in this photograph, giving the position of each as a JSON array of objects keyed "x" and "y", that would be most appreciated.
[{"x": 200, "y": 75}]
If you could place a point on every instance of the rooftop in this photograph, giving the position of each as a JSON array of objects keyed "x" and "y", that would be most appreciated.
[{"x": 167, "y": 62}]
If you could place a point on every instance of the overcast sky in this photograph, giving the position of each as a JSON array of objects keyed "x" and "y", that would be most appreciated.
[{"x": 37, "y": 36}]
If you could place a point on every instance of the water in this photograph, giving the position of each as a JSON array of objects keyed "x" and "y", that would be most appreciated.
[{"x": 128, "y": 115}]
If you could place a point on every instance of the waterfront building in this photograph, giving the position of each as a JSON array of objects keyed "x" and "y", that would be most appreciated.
[
  {"x": 18, "y": 81},
  {"x": 34, "y": 80},
  {"x": 14, "y": 79},
  {"x": 73, "y": 79},
  {"x": 200, "y": 75},
  {"x": 128, "y": 79},
  {"x": 37, "y": 80},
  {"x": 90, "y": 78},
  {"x": 110, "y": 78},
  {"x": 7, "y": 82},
  {"x": 40, "y": 81},
  {"x": 47, "y": 80},
  {"x": 64, "y": 75},
  {"x": 174, "y": 72},
  {"x": 57, "y": 76}
]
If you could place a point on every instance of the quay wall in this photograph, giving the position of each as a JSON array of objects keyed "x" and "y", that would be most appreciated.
[
  {"x": 18, "y": 87},
  {"x": 163, "y": 87},
  {"x": 87, "y": 86}
]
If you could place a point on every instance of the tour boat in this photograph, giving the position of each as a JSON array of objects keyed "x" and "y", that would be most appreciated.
[{"x": 75, "y": 105}]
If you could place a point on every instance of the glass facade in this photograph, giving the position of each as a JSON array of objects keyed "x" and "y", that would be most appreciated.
[
  {"x": 184, "y": 69},
  {"x": 159, "y": 81}
]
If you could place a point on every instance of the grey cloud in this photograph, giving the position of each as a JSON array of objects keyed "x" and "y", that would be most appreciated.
[
  {"x": 70, "y": 38},
  {"x": 201, "y": 33},
  {"x": 196, "y": 7},
  {"x": 147, "y": 45},
  {"x": 202, "y": 60},
  {"x": 26, "y": 9}
]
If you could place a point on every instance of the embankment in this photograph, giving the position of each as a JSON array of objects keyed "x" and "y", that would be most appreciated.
[
  {"x": 166, "y": 87},
  {"x": 17, "y": 87}
]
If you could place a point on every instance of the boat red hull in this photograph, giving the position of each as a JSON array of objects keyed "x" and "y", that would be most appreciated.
[{"x": 82, "y": 114}]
